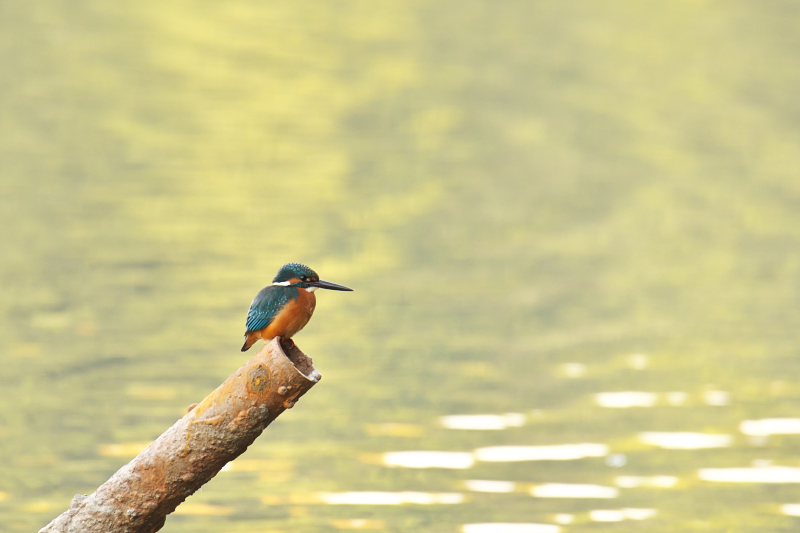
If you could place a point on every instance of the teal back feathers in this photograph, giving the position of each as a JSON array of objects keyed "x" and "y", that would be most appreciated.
[{"x": 267, "y": 304}]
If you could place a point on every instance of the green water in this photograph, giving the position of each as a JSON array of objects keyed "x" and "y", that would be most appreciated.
[{"x": 510, "y": 187}]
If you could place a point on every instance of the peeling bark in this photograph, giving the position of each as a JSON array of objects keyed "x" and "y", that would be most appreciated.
[{"x": 138, "y": 498}]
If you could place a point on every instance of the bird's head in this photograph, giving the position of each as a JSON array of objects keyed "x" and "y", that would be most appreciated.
[{"x": 299, "y": 275}]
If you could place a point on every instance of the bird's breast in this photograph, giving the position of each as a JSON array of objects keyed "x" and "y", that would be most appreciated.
[
  {"x": 307, "y": 301},
  {"x": 293, "y": 316}
]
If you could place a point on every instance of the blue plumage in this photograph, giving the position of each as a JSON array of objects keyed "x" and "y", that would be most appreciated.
[
  {"x": 296, "y": 271},
  {"x": 266, "y": 305}
]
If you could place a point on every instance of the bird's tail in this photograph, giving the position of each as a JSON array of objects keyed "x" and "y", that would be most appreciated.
[{"x": 249, "y": 340}]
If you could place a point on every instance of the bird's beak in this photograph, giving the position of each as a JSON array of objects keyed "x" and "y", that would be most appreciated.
[{"x": 328, "y": 285}]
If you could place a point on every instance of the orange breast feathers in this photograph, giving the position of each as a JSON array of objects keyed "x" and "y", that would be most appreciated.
[{"x": 292, "y": 317}]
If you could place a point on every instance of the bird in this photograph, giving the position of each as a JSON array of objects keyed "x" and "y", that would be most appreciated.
[{"x": 285, "y": 307}]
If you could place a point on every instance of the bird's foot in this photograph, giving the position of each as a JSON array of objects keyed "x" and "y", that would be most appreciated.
[{"x": 288, "y": 344}]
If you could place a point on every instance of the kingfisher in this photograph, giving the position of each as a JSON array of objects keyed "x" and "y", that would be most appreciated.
[{"x": 285, "y": 307}]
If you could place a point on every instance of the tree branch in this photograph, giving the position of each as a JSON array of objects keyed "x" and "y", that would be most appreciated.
[{"x": 138, "y": 498}]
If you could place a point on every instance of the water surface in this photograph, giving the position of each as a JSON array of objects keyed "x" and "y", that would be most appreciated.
[{"x": 578, "y": 218}]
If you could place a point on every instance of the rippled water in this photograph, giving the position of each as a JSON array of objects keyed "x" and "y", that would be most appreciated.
[{"x": 572, "y": 228}]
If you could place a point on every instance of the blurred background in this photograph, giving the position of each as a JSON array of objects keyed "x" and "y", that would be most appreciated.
[{"x": 579, "y": 218}]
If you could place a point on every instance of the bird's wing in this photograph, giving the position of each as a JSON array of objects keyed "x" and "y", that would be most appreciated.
[{"x": 265, "y": 306}]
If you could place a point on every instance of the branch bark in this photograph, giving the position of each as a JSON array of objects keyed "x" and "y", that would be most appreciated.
[{"x": 138, "y": 498}]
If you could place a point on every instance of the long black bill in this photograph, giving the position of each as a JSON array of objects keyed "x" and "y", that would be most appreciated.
[{"x": 328, "y": 285}]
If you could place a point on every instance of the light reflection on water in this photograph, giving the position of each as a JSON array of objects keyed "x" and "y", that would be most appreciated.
[
  {"x": 630, "y": 482},
  {"x": 618, "y": 515},
  {"x": 425, "y": 459},
  {"x": 717, "y": 397},
  {"x": 122, "y": 449},
  {"x": 770, "y": 426},
  {"x": 358, "y": 523},
  {"x": 482, "y": 485},
  {"x": 676, "y": 397},
  {"x": 509, "y": 528},
  {"x": 625, "y": 399},
  {"x": 391, "y": 498},
  {"x": 763, "y": 474},
  {"x": 483, "y": 422},
  {"x": 204, "y": 509},
  {"x": 558, "y": 452},
  {"x": 573, "y": 490},
  {"x": 791, "y": 509},
  {"x": 685, "y": 440}
]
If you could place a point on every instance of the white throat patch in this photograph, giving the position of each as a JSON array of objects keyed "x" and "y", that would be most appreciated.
[{"x": 312, "y": 289}]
